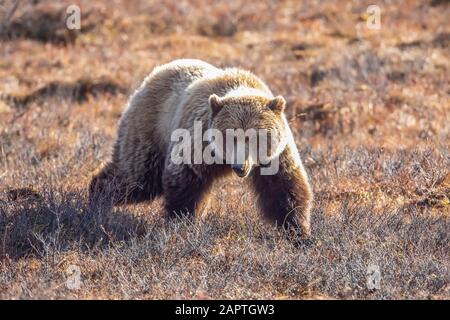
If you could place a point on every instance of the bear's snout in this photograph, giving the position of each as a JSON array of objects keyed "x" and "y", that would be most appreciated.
[{"x": 242, "y": 170}]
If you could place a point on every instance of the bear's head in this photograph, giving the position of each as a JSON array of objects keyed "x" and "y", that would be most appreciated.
[{"x": 253, "y": 129}]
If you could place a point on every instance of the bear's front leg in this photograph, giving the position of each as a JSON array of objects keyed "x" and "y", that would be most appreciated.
[
  {"x": 285, "y": 197},
  {"x": 184, "y": 190}
]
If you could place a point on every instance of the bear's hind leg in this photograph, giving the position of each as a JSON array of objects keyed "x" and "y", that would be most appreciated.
[
  {"x": 285, "y": 197},
  {"x": 106, "y": 187},
  {"x": 147, "y": 184},
  {"x": 111, "y": 187}
]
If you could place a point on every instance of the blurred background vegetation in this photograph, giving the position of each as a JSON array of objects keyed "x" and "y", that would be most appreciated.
[{"x": 370, "y": 109}]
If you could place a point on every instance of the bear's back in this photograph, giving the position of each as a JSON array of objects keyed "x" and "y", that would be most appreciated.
[
  {"x": 174, "y": 95},
  {"x": 152, "y": 109}
]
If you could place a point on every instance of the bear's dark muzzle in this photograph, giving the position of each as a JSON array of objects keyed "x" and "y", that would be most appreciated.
[{"x": 242, "y": 170}]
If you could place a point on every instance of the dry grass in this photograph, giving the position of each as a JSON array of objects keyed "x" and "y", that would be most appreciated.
[{"x": 370, "y": 110}]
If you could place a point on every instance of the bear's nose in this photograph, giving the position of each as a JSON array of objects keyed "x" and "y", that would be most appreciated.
[{"x": 240, "y": 169}]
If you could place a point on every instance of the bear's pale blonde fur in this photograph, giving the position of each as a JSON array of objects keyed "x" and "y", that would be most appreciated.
[{"x": 175, "y": 95}]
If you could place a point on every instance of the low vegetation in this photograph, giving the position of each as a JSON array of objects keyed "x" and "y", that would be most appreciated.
[{"x": 370, "y": 110}]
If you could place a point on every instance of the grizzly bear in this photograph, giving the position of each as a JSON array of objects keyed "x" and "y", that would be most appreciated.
[{"x": 175, "y": 96}]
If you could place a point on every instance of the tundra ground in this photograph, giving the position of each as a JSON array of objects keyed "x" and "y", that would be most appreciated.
[{"x": 370, "y": 110}]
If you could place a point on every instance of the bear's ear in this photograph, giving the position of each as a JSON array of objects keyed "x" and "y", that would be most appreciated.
[
  {"x": 277, "y": 104},
  {"x": 215, "y": 104}
]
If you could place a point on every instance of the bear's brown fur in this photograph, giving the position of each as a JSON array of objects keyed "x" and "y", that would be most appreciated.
[{"x": 175, "y": 95}]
